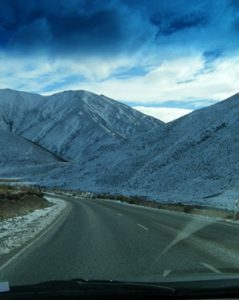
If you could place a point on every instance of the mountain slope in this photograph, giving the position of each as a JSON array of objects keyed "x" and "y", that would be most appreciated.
[
  {"x": 71, "y": 124},
  {"x": 193, "y": 159},
  {"x": 15, "y": 150},
  {"x": 111, "y": 148}
]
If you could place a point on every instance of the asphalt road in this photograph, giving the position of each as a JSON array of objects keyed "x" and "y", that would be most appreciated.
[{"x": 101, "y": 239}]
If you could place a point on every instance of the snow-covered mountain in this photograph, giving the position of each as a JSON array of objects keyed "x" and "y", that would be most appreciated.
[
  {"x": 17, "y": 150},
  {"x": 109, "y": 147},
  {"x": 71, "y": 124},
  {"x": 195, "y": 158},
  {"x": 192, "y": 159}
]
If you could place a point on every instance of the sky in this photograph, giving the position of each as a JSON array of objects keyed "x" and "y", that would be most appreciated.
[{"x": 165, "y": 58}]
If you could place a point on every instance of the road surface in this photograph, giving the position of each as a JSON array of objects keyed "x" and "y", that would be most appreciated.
[{"x": 102, "y": 239}]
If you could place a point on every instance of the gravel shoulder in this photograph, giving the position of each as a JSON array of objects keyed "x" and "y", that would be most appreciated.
[{"x": 18, "y": 231}]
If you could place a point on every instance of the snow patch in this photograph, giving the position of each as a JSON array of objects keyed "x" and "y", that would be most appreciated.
[{"x": 15, "y": 232}]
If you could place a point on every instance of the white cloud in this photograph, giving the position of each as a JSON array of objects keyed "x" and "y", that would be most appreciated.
[
  {"x": 165, "y": 114},
  {"x": 47, "y": 76},
  {"x": 160, "y": 84}
]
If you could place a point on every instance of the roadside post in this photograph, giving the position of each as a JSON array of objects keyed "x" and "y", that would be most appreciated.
[{"x": 236, "y": 209}]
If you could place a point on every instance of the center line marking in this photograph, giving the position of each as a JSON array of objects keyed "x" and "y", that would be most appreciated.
[
  {"x": 142, "y": 226},
  {"x": 211, "y": 268}
]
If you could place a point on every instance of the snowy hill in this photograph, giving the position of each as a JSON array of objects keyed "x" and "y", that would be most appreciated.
[
  {"x": 15, "y": 150},
  {"x": 71, "y": 124},
  {"x": 111, "y": 148},
  {"x": 193, "y": 159}
]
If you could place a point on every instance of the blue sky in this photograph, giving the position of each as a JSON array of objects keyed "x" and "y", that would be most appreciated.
[{"x": 165, "y": 58}]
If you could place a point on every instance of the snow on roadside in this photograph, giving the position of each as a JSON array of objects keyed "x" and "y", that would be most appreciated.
[{"x": 16, "y": 231}]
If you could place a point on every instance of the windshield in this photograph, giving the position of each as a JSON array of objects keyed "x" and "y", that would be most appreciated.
[{"x": 119, "y": 140}]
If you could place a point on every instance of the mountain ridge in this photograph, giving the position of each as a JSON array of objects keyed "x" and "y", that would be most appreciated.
[
  {"x": 186, "y": 160},
  {"x": 61, "y": 118}
]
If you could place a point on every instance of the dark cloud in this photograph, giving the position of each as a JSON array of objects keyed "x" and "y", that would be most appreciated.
[
  {"x": 70, "y": 34},
  {"x": 234, "y": 4},
  {"x": 211, "y": 55},
  {"x": 98, "y": 28},
  {"x": 63, "y": 27},
  {"x": 170, "y": 24},
  {"x": 99, "y": 31}
]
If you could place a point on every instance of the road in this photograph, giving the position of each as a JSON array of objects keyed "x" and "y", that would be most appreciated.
[{"x": 103, "y": 239}]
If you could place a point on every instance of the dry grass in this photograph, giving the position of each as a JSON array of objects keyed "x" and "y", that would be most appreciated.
[
  {"x": 15, "y": 201},
  {"x": 179, "y": 207},
  {"x": 9, "y": 180}
]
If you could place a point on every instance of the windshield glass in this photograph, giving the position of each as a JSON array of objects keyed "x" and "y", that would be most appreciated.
[{"x": 119, "y": 140}]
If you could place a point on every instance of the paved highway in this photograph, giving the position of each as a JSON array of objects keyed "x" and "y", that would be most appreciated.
[{"x": 102, "y": 239}]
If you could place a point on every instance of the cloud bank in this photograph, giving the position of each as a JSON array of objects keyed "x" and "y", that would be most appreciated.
[{"x": 142, "y": 52}]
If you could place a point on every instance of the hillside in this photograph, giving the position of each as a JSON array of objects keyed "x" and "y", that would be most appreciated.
[
  {"x": 71, "y": 124},
  {"x": 108, "y": 147},
  {"x": 193, "y": 159},
  {"x": 16, "y": 150}
]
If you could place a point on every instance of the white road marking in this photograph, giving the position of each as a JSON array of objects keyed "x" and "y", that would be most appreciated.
[
  {"x": 166, "y": 273},
  {"x": 119, "y": 214},
  {"x": 211, "y": 268},
  {"x": 142, "y": 226}
]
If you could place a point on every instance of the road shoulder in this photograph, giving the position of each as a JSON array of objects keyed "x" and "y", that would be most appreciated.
[{"x": 20, "y": 233}]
